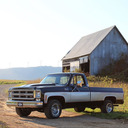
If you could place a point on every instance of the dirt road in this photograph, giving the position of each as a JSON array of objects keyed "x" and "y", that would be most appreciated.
[{"x": 38, "y": 120}]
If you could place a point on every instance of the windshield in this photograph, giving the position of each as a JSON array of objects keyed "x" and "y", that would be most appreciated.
[{"x": 61, "y": 79}]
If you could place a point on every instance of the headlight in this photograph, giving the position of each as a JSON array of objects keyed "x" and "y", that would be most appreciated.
[
  {"x": 9, "y": 94},
  {"x": 38, "y": 94}
]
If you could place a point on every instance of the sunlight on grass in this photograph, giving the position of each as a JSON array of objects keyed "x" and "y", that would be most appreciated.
[
  {"x": 2, "y": 82},
  {"x": 97, "y": 113}
]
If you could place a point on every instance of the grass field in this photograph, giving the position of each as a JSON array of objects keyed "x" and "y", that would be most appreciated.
[{"x": 11, "y": 82}]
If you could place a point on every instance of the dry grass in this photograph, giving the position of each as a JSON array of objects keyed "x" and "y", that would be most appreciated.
[
  {"x": 11, "y": 81},
  {"x": 33, "y": 81}
]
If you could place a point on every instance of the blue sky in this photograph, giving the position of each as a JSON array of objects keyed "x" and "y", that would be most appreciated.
[{"x": 41, "y": 32}]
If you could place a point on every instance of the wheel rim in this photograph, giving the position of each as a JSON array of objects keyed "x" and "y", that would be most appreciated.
[
  {"x": 109, "y": 107},
  {"x": 55, "y": 110}
]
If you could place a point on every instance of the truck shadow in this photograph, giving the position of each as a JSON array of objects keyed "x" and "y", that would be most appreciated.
[
  {"x": 81, "y": 120},
  {"x": 64, "y": 121}
]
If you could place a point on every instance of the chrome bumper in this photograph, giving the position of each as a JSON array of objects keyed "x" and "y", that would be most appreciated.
[{"x": 25, "y": 104}]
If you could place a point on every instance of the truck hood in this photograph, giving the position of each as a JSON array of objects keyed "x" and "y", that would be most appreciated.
[
  {"x": 43, "y": 87},
  {"x": 37, "y": 85}
]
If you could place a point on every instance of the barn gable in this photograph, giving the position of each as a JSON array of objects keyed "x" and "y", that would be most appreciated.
[{"x": 87, "y": 44}]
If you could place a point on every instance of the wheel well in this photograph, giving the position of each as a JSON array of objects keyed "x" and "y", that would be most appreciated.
[
  {"x": 112, "y": 98},
  {"x": 59, "y": 98}
]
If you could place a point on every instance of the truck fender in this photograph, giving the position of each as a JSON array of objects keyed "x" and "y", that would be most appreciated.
[
  {"x": 49, "y": 96},
  {"x": 112, "y": 98}
]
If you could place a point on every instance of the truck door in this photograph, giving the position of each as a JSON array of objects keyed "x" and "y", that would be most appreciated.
[{"x": 80, "y": 92}]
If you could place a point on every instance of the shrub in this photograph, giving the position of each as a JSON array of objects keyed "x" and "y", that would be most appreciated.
[{"x": 115, "y": 66}]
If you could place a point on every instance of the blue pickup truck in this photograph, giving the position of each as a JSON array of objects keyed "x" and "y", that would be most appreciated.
[{"x": 62, "y": 90}]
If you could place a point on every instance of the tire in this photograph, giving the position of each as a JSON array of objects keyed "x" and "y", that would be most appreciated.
[
  {"x": 53, "y": 109},
  {"x": 23, "y": 112},
  {"x": 79, "y": 109},
  {"x": 107, "y": 106}
]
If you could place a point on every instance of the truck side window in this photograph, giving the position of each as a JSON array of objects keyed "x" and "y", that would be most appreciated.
[
  {"x": 81, "y": 81},
  {"x": 74, "y": 80},
  {"x": 64, "y": 80},
  {"x": 78, "y": 80}
]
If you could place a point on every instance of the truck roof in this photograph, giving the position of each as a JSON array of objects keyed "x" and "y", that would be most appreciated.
[{"x": 67, "y": 73}]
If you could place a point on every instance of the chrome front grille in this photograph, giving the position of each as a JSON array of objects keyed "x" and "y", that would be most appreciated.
[{"x": 23, "y": 94}]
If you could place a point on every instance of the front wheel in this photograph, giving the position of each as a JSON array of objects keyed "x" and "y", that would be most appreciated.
[
  {"x": 107, "y": 106},
  {"x": 23, "y": 112},
  {"x": 53, "y": 109}
]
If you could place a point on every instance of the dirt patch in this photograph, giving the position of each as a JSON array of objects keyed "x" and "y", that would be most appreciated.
[
  {"x": 66, "y": 120},
  {"x": 3, "y": 125},
  {"x": 1, "y": 99}
]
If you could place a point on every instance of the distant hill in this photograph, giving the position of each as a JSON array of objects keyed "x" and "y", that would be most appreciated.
[{"x": 30, "y": 73}]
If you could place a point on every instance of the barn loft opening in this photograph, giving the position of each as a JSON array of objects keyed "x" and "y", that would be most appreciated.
[
  {"x": 85, "y": 64},
  {"x": 66, "y": 66},
  {"x": 66, "y": 69},
  {"x": 85, "y": 67},
  {"x": 82, "y": 63}
]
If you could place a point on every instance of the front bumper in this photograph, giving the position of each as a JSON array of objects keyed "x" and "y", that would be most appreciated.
[{"x": 25, "y": 104}]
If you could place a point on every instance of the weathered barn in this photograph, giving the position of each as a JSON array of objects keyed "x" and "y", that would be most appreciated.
[{"x": 95, "y": 51}]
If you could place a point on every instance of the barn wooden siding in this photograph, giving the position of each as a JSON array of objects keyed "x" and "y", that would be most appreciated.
[{"x": 111, "y": 48}]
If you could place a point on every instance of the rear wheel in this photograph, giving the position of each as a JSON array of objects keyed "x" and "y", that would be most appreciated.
[
  {"x": 23, "y": 112},
  {"x": 53, "y": 109},
  {"x": 107, "y": 106},
  {"x": 79, "y": 109}
]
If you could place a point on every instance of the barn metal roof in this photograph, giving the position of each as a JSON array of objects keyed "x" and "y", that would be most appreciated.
[{"x": 87, "y": 44}]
